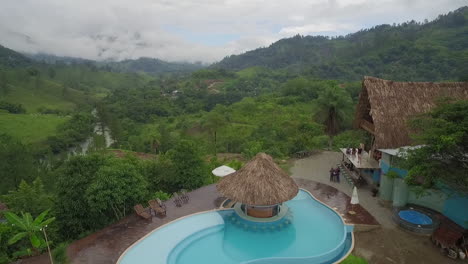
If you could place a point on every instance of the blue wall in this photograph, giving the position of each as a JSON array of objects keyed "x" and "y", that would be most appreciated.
[
  {"x": 454, "y": 207},
  {"x": 386, "y": 168},
  {"x": 376, "y": 176}
]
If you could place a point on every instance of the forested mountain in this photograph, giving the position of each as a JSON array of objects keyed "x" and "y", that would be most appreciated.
[
  {"x": 430, "y": 51},
  {"x": 147, "y": 65},
  {"x": 153, "y": 66},
  {"x": 53, "y": 59},
  {"x": 12, "y": 58}
]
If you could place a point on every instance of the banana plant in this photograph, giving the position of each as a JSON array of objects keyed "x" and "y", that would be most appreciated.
[{"x": 29, "y": 228}]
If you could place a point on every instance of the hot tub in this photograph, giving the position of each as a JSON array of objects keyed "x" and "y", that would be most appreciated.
[{"x": 416, "y": 219}]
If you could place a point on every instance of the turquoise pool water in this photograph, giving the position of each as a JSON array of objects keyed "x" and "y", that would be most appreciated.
[{"x": 310, "y": 233}]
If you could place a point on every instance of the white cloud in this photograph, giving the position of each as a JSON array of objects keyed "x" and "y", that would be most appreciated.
[
  {"x": 203, "y": 30},
  {"x": 317, "y": 29}
]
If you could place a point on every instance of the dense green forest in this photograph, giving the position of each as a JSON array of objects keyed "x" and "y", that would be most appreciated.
[
  {"x": 143, "y": 65},
  {"x": 297, "y": 95},
  {"x": 411, "y": 51}
]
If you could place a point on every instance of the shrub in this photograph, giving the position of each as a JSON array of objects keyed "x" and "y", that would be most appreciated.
[
  {"x": 12, "y": 108},
  {"x": 349, "y": 139},
  {"x": 59, "y": 254},
  {"x": 163, "y": 196},
  {"x": 235, "y": 164}
]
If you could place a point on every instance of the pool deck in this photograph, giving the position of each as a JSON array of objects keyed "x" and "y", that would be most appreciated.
[
  {"x": 340, "y": 202},
  {"x": 106, "y": 246}
]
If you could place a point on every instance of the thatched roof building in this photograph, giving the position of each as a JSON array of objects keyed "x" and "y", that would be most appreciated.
[
  {"x": 259, "y": 182},
  {"x": 385, "y": 107}
]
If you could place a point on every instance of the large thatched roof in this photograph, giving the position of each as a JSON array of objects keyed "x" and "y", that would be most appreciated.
[
  {"x": 259, "y": 182},
  {"x": 386, "y": 106}
]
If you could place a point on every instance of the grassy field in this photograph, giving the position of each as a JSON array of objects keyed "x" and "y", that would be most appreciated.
[
  {"x": 49, "y": 96},
  {"x": 30, "y": 128}
]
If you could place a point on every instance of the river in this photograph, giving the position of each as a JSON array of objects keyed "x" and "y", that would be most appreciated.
[{"x": 99, "y": 129}]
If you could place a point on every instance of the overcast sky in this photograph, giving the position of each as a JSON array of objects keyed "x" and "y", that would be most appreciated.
[{"x": 191, "y": 30}]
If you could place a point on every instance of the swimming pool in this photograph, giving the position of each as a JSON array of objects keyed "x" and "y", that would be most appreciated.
[{"x": 310, "y": 233}]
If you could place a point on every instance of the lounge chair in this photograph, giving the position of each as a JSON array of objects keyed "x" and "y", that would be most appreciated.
[
  {"x": 177, "y": 199},
  {"x": 184, "y": 197},
  {"x": 161, "y": 204},
  {"x": 158, "y": 210},
  {"x": 141, "y": 211}
]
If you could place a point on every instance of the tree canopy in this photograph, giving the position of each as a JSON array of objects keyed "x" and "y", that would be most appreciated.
[{"x": 442, "y": 157}]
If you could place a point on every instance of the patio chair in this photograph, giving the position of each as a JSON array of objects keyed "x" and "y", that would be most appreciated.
[
  {"x": 184, "y": 196},
  {"x": 141, "y": 211},
  {"x": 161, "y": 204},
  {"x": 158, "y": 210},
  {"x": 177, "y": 199}
]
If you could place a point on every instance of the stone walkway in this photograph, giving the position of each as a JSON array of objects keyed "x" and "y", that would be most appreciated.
[{"x": 317, "y": 168}]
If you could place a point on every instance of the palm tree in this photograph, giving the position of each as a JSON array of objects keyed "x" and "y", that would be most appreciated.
[
  {"x": 333, "y": 103},
  {"x": 213, "y": 122},
  {"x": 152, "y": 137},
  {"x": 30, "y": 229}
]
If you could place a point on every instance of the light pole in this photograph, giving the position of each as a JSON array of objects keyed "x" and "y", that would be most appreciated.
[{"x": 47, "y": 242}]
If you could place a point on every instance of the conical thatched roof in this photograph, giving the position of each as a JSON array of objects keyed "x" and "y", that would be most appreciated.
[
  {"x": 259, "y": 182},
  {"x": 385, "y": 107}
]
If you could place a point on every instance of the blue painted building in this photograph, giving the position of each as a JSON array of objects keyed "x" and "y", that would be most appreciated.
[{"x": 383, "y": 111}]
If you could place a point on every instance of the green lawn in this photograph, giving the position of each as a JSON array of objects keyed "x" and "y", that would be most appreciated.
[
  {"x": 30, "y": 128},
  {"x": 50, "y": 95}
]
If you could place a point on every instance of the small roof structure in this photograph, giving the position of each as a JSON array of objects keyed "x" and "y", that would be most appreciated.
[
  {"x": 222, "y": 171},
  {"x": 385, "y": 107},
  {"x": 399, "y": 152},
  {"x": 260, "y": 182}
]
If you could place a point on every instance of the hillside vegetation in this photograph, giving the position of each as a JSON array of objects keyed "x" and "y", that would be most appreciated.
[
  {"x": 12, "y": 58},
  {"x": 30, "y": 128},
  {"x": 411, "y": 51},
  {"x": 294, "y": 97},
  {"x": 142, "y": 65}
]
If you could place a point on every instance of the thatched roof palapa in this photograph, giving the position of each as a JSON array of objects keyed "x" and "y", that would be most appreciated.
[
  {"x": 385, "y": 107},
  {"x": 260, "y": 182}
]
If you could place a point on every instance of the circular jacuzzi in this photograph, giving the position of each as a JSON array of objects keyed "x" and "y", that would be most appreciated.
[{"x": 416, "y": 219}]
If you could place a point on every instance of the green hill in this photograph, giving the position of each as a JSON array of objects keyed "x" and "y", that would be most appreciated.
[
  {"x": 30, "y": 128},
  {"x": 142, "y": 65},
  {"x": 153, "y": 66},
  {"x": 36, "y": 93},
  {"x": 12, "y": 58},
  {"x": 411, "y": 51}
]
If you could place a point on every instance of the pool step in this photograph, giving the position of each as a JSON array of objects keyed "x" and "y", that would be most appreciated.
[{"x": 246, "y": 225}]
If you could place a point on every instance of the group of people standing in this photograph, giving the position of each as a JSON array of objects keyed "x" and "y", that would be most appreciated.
[
  {"x": 335, "y": 174},
  {"x": 356, "y": 151}
]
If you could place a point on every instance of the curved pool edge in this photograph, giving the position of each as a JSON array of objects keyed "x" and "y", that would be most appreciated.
[
  {"x": 348, "y": 229},
  {"x": 351, "y": 248},
  {"x": 164, "y": 225}
]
